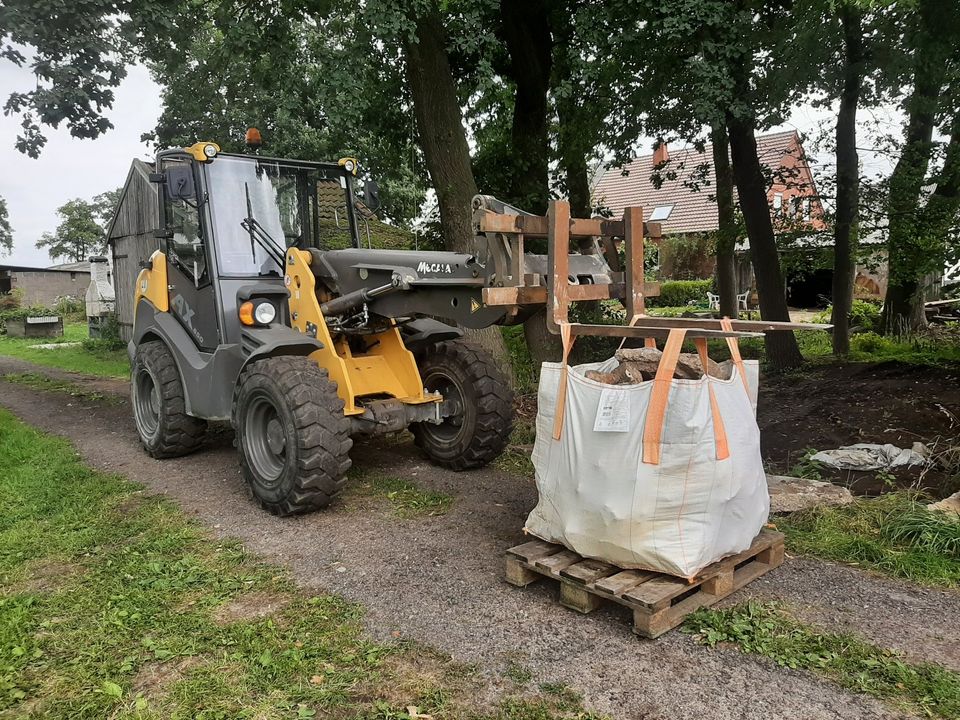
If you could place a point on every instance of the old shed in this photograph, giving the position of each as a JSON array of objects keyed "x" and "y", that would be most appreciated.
[{"x": 131, "y": 238}]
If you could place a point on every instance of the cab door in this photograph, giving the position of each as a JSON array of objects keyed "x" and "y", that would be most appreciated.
[{"x": 192, "y": 294}]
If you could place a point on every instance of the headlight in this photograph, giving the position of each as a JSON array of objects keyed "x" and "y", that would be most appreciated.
[
  {"x": 210, "y": 150},
  {"x": 265, "y": 313},
  {"x": 349, "y": 166}
]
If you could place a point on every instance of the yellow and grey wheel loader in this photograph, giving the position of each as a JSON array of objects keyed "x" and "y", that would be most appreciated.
[{"x": 250, "y": 313}]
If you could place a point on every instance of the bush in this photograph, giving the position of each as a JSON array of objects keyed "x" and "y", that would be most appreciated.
[
  {"x": 109, "y": 339},
  {"x": 679, "y": 293},
  {"x": 10, "y": 300},
  {"x": 71, "y": 309},
  {"x": 864, "y": 314}
]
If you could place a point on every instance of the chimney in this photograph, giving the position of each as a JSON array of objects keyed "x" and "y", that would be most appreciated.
[
  {"x": 98, "y": 269},
  {"x": 661, "y": 154}
]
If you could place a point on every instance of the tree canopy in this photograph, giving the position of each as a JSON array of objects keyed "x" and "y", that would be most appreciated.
[
  {"x": 82, "y": 229},
  {"x": 6, "y": 232},
  {"x": 523, "y": 99}
]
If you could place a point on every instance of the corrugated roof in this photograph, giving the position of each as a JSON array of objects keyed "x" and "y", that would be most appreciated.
[{"x": 692, "y": 211}]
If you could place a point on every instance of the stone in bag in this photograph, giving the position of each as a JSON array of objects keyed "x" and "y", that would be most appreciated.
[{"x": 663, "y": 475}]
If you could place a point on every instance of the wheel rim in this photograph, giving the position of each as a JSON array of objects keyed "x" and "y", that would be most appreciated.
[
  {"x": 265, "y": 440},
  {"x": 451, "y": 390},
  {"x": 147, "y": 403}
]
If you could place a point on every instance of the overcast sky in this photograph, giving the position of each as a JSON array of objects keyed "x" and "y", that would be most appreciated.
[
  {"x": 71, "y": 168},
  {"x": 68, "y": 168}
]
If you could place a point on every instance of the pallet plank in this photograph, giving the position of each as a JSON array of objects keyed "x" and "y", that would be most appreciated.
[
  {"x": 588, "y": 571},
  {"x": 621, "y": 582},
  {"x": 555, "y": 563},
  {"x": 657, "y": 592},
  {"x": 534, "y": 550}
]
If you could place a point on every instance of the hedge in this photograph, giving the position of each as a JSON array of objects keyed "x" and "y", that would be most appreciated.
[{"x": 680, "y": 293}]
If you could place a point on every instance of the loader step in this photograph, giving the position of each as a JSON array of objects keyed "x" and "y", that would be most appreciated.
[{"x": 659, "y": 601}]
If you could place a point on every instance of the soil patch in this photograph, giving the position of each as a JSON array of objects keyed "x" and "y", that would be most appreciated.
[
  {"x": 47, "y": 577},
  {"x": 834, "y": 405},
  {"x": 153, "y": 679},
  {"x": 251, "y": 606}
]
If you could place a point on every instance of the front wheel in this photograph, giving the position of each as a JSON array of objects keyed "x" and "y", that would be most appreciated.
[
  {"x": 479, "y": 397},
  {"x": 159, "y": 405},
  {"x": 293, "y": 437}
]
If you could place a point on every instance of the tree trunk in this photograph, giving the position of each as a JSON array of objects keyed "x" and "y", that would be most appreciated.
[
  {"x": 444, "y": 144},
  {"x": 848, "y": 179},
  {"x": 781, "y": 346},
  {"x": 526, "y": 30},
  {"x": 907, "y": 257},
  {"x": 576, "y": 134},
  {"x": 727, "y": 227}
]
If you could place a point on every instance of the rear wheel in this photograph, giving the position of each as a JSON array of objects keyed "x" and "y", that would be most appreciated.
[
  {"x": 479, "y": 395},
  {"x": 293, "y": 437},
  {"x": 159, "y": 407}
]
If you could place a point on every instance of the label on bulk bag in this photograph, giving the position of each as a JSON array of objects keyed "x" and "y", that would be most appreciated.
[{"x": 613, "y": 412}]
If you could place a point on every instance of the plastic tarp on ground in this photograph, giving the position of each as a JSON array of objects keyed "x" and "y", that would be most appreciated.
[{"x": 664, "y": 475}]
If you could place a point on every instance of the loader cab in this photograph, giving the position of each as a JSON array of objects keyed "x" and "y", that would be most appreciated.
[{"x": 227, "y": 220}]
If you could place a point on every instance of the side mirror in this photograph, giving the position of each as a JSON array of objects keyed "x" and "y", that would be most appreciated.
[
  {"x": 371, "y": 195},
  {"x": 179, "y": 182}
]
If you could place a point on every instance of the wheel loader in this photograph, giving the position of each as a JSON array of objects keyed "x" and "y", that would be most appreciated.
[{"x": 263, "y": 308}]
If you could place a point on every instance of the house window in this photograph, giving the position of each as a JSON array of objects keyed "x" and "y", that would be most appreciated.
[
  {"x": 778, "y": 203},
  {"x": 73, "y": 276},
  {"x": 806, "y": 209},
  {"x": 661, "y": 212}
]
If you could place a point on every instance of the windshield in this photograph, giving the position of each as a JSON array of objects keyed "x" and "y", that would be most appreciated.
[{"x": 260, "y": 208}]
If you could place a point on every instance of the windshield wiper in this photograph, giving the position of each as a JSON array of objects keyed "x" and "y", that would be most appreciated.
[{"x": 260, "y": 236}]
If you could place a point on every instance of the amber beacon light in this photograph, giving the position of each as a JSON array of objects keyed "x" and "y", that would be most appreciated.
[{"x": 253, "y": 138}]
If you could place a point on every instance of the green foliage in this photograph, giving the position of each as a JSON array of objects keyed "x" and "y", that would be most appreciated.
[
  {"x": 806, "y": 467},
  {"x": 767, "y": 630},
  {"x": 6, "y": 231},
  {"x": 525, "y": 375},
  {"x": 863, "y": 314},
  {"x": 676, "y": 293},
  {"x": 894, "y": 534},
  {"x": 108, "y": 340},
  {"x": 79, "y": 234},
  {"x": 685, "y": 254}
]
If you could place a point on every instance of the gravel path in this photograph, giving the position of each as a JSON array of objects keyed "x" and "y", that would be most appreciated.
[{"x": 438, "y": 580}]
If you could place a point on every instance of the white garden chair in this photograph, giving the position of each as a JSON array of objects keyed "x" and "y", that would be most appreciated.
[
  {"x": 742, "y": 300},
  {"x": 713, "y": 300}
]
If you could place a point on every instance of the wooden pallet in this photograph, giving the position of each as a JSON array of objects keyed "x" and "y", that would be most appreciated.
[{"x": 659, "y": 602}]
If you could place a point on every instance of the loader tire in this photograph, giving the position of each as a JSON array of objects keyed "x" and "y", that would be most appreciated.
[
  {"x": 465, "y": 374},
  {"x": 293, "y": 437},
  {"x": 159, "y": 406}
]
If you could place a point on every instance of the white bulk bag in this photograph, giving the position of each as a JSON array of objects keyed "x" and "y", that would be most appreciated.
[{"x": 665, "y": 475}]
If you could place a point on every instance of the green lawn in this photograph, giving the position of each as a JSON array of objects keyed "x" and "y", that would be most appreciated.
[
  {"x": 114, "y": 604},
  {"x": 894, "y": 534},
  {"x": 769, "y": 630},
  {"x": 77, "y": 358}
]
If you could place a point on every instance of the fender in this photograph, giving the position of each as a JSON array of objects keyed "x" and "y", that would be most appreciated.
[{"x": 209, "y": 379}]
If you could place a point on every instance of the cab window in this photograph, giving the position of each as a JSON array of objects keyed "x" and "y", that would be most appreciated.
[{"x": 185, "y": 246}]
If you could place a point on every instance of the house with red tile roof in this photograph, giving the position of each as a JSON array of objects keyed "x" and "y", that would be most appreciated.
[{"x": 683, "y": 201}]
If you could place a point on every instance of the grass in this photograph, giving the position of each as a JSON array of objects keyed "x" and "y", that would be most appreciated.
[
  {"x": 894, "y": 534},
  {"x": 104, "y": 363},
  {"x": 767, "y": 630},
  {"x": 37, "y": 381},
  {"x": 516, "y": 458},
  {"x": 109, "y": 606},
  {"x": 407, "y": 499}
]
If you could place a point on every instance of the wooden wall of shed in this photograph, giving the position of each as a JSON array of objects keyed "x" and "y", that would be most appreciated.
[{"x": 131, "y": 239}]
